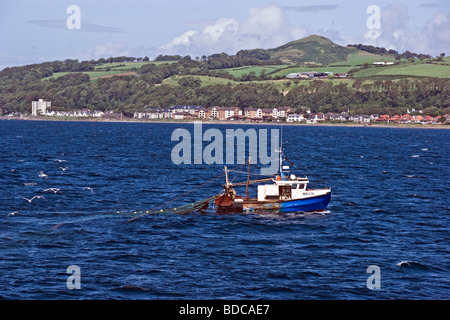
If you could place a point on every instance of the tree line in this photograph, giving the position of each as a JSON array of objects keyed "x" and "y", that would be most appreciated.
[
  {"x": 380, "y": 50},
  {"x": 21, "y": 85}
]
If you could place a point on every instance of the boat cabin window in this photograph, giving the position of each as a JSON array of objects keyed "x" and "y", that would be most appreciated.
[
  {"x": 285, "y": 192},
  {"x": 298, "y": 186}
]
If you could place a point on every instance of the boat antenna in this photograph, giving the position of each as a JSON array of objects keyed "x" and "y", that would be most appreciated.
[
  {"x": 281, "y": 149},
  {"x": 248, "y": 179}
]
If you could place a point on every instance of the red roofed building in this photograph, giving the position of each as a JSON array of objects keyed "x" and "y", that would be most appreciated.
[{"x": 383, "y": 117}]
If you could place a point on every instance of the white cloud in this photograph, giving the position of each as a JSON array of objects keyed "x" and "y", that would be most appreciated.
[
  {"x": 268, "y": 27},
  {"x": 432, "y": 38},
  {"x": 111, "y": 49},
  {"x": 265, "y": 27},
  {"x": 436, "y": 32}
]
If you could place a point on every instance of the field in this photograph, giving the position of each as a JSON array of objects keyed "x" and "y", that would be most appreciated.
[
  {"x": 128, "y": 65},
  {"x": 238, "y": 72},
  {"x": 361, "y": 58},
  {"x": 296, "y": 69},
  {"x": 416, "y": 69},
  {"x": 284, "y": 85},
  {"x": 92, "y": 74},
  {"x": 110, "y": 69},
  {"x": 206, "y": 80}
]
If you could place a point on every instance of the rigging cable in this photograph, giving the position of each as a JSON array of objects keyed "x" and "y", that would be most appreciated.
[{"x": 200, "y": 202}]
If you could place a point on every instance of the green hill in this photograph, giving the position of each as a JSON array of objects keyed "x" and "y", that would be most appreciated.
[{"x": 312, "y": 49}]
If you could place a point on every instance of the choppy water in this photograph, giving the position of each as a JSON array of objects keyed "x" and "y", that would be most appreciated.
[{"x": 389, "y": 208}]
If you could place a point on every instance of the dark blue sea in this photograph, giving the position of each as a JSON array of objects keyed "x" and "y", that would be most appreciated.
[{"x": 389, "y": 208}]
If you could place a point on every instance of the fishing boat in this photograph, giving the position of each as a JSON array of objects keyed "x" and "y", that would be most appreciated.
[
  {"x": 285, "y": 193},
  {"x": 281, "y": 193}
]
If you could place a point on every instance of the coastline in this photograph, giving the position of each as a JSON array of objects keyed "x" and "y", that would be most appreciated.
[{"x": 236, "y": 122}]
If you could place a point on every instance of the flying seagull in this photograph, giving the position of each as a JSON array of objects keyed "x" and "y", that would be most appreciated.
[
  {"x": 29, "y": 200},
  {"x": 55, "y": 190},
  {"x": 64, "y": 168},
  {"x": 87, "y": 188},
  {"x": 59, "y": 160},
  {"x": 13, "y": 213}
]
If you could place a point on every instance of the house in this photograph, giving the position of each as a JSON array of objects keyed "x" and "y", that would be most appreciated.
[
  {"x": 294, "y": 117},
  {"x": 40, "y": 107},
  {"x": 229, "y": 112},
  {"x": 113, "y": 115},
  {"x": 293, "y": 75},
  {"x": 236, "y": 117},
  {"x": 83, "y": 113},
  {"x": 315, "y": 117},
  {"x": 154, "y": 114},
  {"x": 417, "y": 119},
  {"x": 394, "y": 118},
  {"x": 185, "y": 108},
  {"x": 202, "y": 113},
  {"x": 406, "y": 118},
  {"x": 332, "y": 116},
  {"x": 252, "y": 113},
  {"x": 360, "y": 119},
  {"x": 383, "y": 118},
  {"x": 280, "y": 112},
  {"x": 267, "y": 114},
  {"x": 213, "y": 113},
  {"x": 182, "y": 115},
  {"x": 383, "y": 63},
  {"x": 341, "y": 75},
  {"x": 309, "y": 74}
]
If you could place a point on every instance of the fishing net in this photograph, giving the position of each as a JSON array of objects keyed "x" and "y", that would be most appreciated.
[{"x": 198, "y": 206}]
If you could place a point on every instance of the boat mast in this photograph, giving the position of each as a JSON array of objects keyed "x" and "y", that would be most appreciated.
[
  {"x": 281, "y": 150},
  {"x": 226, "y": 176},
  {"x": 248, "y": 179}
]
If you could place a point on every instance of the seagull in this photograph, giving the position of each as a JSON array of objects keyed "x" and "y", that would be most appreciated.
[
  {"x": 43, "y": 175},
  {"x": 13, "y": 213},
  {"x": 29, "y": 200},
  {"x": 59, "y": 160},
  {"x": 64, "y": 168},
  {"x": 87, "y": 188},
  {"x": 55, "y": 190}
]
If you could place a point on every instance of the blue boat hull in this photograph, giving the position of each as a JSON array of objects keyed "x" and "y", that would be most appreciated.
[{"x": 318, "y": 203}]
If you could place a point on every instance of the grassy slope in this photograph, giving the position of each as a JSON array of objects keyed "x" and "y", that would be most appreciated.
[
  {"x": 296, "y": 69},
  {"x": 360, "y": 58},
  {"x": 238, "y": 72},
  {"x": 206, "y": 80},
  {"x": 284, "y": 85},
  {"x": 312, "y": 49},
  {"x": 416, "y": 69},
  {"x": 116, "y": 68},
  {"x": 91, "y": 74}
]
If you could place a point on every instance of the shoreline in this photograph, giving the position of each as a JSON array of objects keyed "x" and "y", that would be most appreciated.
[{"x": 191, "y": 121}]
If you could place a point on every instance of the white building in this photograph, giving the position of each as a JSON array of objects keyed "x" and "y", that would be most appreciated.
[
  {"x": 294, "y": 117},
  {"x": 40, "y": 107}
]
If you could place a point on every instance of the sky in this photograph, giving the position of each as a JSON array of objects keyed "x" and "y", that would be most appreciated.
[{"x": 36, "y": 31}]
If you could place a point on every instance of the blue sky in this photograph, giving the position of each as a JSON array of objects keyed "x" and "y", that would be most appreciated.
[{"x": 36, "y": 31}]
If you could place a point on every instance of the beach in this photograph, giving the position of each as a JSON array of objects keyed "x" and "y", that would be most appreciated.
[{"x": 234, "y": 122}]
